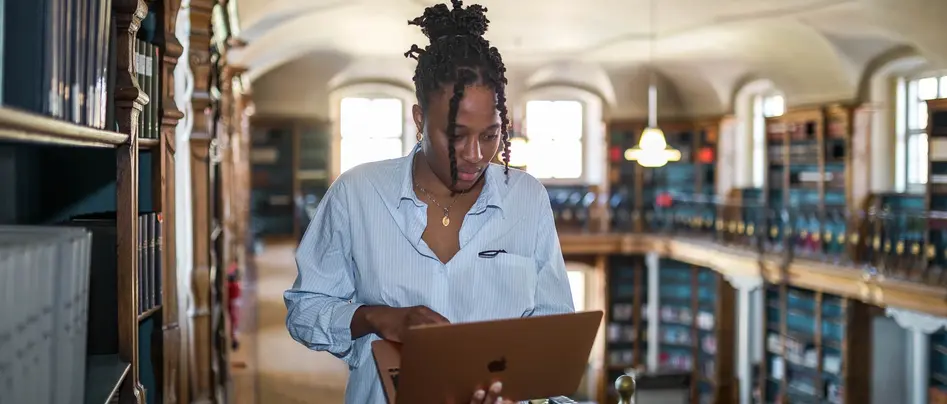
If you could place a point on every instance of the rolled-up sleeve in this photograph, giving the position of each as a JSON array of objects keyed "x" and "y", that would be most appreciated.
[
  {"x": 321, "y": 302},
  {"x": 553, "y": 291}
]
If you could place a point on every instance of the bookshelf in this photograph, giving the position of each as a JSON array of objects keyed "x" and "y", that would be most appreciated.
[
  {"x": 696, "y": 329},
  {"x": 808, "y": 170},
  {"x": 271, "y": 156},
  {"x": 937, "y": 392},
  {"x": 635, "y": 189},
  {"x": 572, "y": 206},
  {"x": 675, "y": 178},
  {"x": 935, "y": 238},
  {"x": 97, "y": 151},
  {"x": 622, "y": 175},
  {"x": 817, "y": 348},
  {"x": 290, "y": 161},
  {"x": 220, "y": 143},
  {"x": 311, "y": 170},
  {"x": 627, "y": 321}
]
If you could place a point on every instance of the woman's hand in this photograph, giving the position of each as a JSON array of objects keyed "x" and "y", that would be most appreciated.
[
  {"x": 491, "y": 396},
  {"x": 391, "y": 323}
]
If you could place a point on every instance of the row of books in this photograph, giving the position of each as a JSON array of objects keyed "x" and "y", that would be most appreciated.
[
  {"x": 150, "y": 252},
  {"x": 147, "y": 64},
  {"x": 44, "y": 307},
  {"x": 58, "y": 58}
]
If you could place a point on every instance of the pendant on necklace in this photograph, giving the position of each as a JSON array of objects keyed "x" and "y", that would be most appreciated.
[{"x": 445, "y": 221}]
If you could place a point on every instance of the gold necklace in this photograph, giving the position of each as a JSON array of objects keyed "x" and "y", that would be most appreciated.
[{"x": 446, "y": 220}]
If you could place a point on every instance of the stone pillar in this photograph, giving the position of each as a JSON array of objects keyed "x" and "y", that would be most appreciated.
[
  {"x": 921, "y": 326},
  {"x": 744, "y": 285},
  {"x": 652, "y": 263}
]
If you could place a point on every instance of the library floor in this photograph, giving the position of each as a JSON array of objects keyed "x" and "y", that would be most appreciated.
[{"x": 269, "y": 367}]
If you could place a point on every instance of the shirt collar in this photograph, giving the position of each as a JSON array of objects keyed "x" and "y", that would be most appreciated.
[{"x": 491, "y": 196}]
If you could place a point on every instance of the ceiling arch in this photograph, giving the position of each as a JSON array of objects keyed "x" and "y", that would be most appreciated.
[
  {"x": 588, "y": 76},
  {"x": 813, "y": 50}
]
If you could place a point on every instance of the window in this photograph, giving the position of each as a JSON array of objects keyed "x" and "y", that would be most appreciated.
[
  {"x": 372, "y": 130},
  {"x": 554, "y": 131},
  {"x": 764, "y": 106},
  {"x": 577, "y": 283},
  {"x": 914, "y": 104}
]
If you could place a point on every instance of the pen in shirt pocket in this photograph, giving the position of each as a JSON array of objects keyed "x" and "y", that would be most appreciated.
[{"x": 490, "y": 253}]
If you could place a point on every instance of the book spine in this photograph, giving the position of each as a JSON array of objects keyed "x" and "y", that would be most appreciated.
[{"x": 159, "y": 270}]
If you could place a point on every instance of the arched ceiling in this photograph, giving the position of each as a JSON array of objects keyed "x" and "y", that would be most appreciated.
[{"x": 813, "y": 50}]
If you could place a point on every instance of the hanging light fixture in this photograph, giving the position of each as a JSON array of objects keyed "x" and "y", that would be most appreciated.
[{"x": 653, "y": 149}]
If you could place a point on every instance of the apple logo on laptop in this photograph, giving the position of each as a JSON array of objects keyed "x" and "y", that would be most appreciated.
[{"x": 498, "y": 365}]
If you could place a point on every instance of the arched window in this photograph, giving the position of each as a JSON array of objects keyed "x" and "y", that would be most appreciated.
[
  {"x": 370, "y": 122},
  {"x": 765, "y": 105},
  {"x": 554, "y": 131},
  {"x": 912, "y": 123},
  {"x": 372, "y": 130}
]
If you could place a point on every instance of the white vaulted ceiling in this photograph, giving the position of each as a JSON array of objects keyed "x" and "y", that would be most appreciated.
[{"x": 813, "y": 50}]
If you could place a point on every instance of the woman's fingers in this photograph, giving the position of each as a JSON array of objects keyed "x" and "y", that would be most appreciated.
[
  {"x": 478, "y": 397},
  {"x": 493, "y": 394},
  {"x": 435, "y": 317}
]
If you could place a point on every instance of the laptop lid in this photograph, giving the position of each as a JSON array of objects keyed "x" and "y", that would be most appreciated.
[{"x": 534, "y": 357}]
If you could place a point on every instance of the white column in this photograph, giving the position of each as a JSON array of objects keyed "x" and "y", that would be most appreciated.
[
  {"x": 745, "y": 286},
  {"x": 921, "y": 326},
  {"x": 183, "y": 91},
  {"x": 652, "y": 262}
]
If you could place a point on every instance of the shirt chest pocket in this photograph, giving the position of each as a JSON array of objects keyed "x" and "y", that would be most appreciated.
[{"x": 502, "y": 287}]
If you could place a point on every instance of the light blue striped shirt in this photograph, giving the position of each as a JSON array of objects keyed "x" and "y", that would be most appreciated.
[{"x": 364, "y": 247}]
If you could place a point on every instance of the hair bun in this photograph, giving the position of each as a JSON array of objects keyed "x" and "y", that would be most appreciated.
[{"x": 438, "y": 21}]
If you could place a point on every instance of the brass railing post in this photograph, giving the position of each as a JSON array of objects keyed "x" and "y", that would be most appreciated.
[{"x": 626, "y": 386}]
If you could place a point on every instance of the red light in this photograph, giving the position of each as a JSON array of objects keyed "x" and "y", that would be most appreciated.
[
  {"x": 615, "y": 154},
  {"x": 705, "y": 155}
]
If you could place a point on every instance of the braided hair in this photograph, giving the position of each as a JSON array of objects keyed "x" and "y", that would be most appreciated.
[{"x": 459, "y": 55}]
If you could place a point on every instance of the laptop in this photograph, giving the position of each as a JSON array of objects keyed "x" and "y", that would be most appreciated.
[{"x": 534, "y": 357}]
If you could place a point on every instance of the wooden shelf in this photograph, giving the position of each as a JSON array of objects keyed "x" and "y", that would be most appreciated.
[
  {"x": 626, "y": 323},
  {"x": 812, "y": 357},
  {"x": 148, "y": 313},
  {"x": 147, "y": 144},
  {"x": 89, "y": 185},
  {"x": 104, "y": 375},
  {"x": 23, "y": 126},
  {"x": 696, "y": 316}
]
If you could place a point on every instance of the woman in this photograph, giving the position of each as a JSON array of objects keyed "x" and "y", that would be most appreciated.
[{"x": 441, "y": 235}]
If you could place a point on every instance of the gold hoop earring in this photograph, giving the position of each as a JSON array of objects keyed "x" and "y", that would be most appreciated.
[{"x": 420, "y": 137}]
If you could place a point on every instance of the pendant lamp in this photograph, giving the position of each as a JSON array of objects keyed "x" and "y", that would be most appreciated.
[{"x": 653, "y": 149}]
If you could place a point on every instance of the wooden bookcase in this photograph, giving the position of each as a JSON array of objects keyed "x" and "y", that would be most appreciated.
[
  {"x": 817, "y": 348},
  {"x": 808, "y": 172},
  {"x": 622, "y": 175},
  {"x": 290, "y": 162},
  {"x": 935, "y": 237},
  {"x": 937, "y": 393},
  {"x": 220, "y": 179},
  {"x": 696, "y": 329},
  {"x": 904, "y": 243},
  {"x": 634, "y": 189},
  {"x": 627, "y": 319},
  {"x": 102, "y": 156}
]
